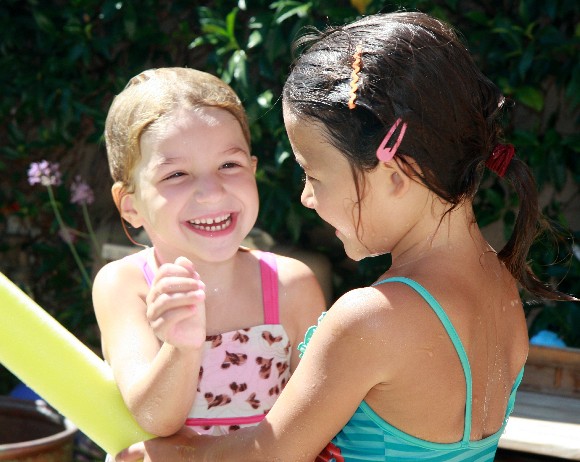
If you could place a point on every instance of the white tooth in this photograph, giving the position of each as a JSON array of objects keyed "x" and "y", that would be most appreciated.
[{"x": 210, "y": 221}]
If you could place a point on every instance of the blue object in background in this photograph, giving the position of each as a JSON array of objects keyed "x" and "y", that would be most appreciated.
[
  {"x": 547, "y": 338},
  {"x": 21, "y": 391}
]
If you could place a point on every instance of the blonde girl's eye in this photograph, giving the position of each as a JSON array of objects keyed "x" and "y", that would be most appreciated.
[
  {"x": 173, "y": 175},
  {"x": 229, "y": 165}
]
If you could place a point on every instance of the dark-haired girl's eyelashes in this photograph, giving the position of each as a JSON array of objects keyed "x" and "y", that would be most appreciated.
[{"x": 306, "y": 177}]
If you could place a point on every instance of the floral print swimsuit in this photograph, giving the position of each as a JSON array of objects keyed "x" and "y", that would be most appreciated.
[{"x": 242, "y": 371}]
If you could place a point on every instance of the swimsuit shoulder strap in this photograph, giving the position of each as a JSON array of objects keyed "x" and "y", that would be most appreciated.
[
  {"x": 269, "y": 273},
  {"x": 140, "y": 259},
  {"x": 436, "y": 307}
]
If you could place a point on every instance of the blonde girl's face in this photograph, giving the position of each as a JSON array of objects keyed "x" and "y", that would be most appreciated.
[
  {"x": 195, "y": 188},
  {"x": 329, "y": 189}
]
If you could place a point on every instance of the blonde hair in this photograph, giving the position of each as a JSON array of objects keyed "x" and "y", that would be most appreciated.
[{"x": 148, "y": 98}]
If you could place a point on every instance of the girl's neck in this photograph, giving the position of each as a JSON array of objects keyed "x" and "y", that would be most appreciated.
[{"x": 439, "y": 233}]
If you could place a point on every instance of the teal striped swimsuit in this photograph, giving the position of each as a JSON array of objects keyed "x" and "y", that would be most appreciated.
[{"x": 367, "y": 437}]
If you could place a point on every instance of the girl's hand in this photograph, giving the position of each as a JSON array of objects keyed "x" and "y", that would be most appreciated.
[
  {"x": 176, "y": 448},
  {"x": 134, "y": 453},
  {"x": 176, "y": 305}
]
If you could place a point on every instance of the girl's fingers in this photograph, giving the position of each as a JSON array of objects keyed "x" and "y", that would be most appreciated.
[
  {"x": 133, "y": 453},
  {"x": 171, "y": 318},
  {"x": 186, "y": 264},
  {"x": 164, "y": 303},
  {"x": 172, "y": 284}
]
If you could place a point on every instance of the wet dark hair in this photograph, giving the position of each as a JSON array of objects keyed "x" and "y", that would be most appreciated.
[{"x": 416, "y": 68}]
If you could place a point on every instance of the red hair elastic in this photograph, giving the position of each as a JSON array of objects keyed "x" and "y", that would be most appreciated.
[
  {"x": 354, "y": 78},
  {"x": 384, "y": 153},
  {"x": 500, "y": 158}
]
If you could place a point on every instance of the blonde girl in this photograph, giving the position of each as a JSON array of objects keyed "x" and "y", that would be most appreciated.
[{"x": 198, "y": 330}]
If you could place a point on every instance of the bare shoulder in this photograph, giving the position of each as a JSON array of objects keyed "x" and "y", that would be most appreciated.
[
  {"x": 119, "y": 292},
  {"x": 119, "y": 283},
  {"x": 365, "y": 323},
  {"x": 381, "y": 319},
  {"x": 298, "y": 282},
  {"x": 116, "y": 275},
  {"x": 382, "y": 309},
  {"x": 293, "y": 271}
]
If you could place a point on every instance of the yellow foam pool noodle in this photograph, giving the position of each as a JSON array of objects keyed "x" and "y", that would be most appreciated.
[{"x": 61, "y": 369}]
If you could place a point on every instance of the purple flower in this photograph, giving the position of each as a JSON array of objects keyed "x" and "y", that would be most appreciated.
[
  {"x": 66, "y": 235},
  {"x": 81, "y": 193},
  {"x": 44, "y": 173}
]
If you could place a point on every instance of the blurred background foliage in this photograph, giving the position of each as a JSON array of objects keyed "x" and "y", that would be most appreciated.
[{"x": 63, "y": 61}]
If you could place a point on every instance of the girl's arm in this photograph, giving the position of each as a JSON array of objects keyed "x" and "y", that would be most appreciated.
[
  {"x": 158, "y": 380},
  {"x": 344, "y": 360}
]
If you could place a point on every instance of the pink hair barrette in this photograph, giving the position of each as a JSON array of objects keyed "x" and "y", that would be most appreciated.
[{"x": 384, "y": 153}]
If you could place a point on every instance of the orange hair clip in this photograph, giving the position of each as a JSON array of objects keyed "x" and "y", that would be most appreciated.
[{"x": 354, "y": 78}]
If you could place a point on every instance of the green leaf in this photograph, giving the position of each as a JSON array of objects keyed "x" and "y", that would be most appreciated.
[
  {"x": 231, "y": 26},
  {"x": 531, "y": 97},
  {"x": 255, "y": 39},
  {"x": 237, "y": 68},
  {"x": 43, "y": 22},
  {"x": 477, "y": 17},
  {"x": 265, "y": 99},
  {"x": 301, "y": 11},
  {"x": 526, "y": 60}
]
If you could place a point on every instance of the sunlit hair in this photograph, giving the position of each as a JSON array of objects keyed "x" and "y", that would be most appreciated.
[{"x": 148, "y": 99}]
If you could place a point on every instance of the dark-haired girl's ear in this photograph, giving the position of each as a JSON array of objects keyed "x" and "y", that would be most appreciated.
[
  {"x": 125, "y": 205},
  {"x": 398, "y": 180}
]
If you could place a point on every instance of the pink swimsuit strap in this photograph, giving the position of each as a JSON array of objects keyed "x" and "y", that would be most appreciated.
[
  {"x": 140, "y": 260},
  {"x": 269, "y": 273}
]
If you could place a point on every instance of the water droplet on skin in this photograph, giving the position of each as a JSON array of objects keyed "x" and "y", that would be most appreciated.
[{"x": 429, "y": 351}]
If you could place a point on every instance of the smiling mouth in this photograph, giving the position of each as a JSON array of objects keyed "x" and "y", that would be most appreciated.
[{"x": 212, "y": 224}]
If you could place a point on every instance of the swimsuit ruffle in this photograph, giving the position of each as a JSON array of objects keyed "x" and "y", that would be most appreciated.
[{"x": 308, "y": 335}]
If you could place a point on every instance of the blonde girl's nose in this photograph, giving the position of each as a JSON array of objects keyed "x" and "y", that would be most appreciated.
[{"x": 208, "y": 189}]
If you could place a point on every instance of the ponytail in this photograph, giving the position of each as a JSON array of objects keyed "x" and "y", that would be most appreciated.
[{"x": 528, "y": 225}]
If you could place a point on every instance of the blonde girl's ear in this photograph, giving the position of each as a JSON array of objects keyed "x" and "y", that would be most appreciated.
[
  {"x": 125, "y": 204},
  {"x": 254, "y": 163}
]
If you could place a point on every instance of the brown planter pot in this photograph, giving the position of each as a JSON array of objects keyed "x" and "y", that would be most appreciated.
[
  {"x": 553, "y": 370},
  {"x": 33, "y": 432}
]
